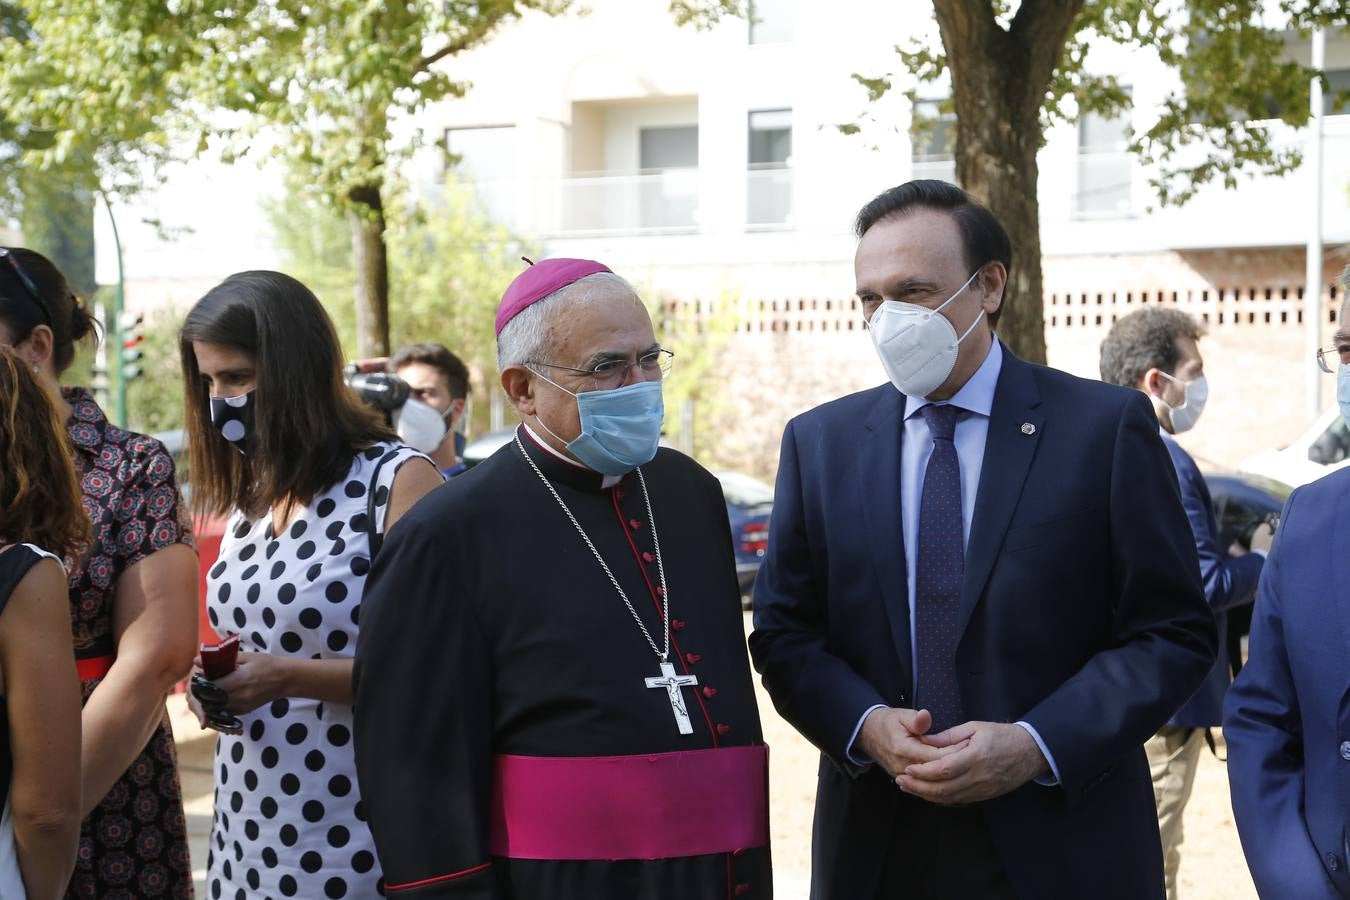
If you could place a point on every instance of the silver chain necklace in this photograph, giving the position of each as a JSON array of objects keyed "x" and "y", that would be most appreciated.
[{"x": 664, "y": 653}]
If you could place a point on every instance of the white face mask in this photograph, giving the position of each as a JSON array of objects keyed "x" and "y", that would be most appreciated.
[
  {"x": 419, "y": 426},
  {"x": 1188, "y": 413},
  {"x": 918, "y": 345}
]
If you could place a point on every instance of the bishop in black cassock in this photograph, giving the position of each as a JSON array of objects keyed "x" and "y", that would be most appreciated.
[{"x": 517, "y": 733}]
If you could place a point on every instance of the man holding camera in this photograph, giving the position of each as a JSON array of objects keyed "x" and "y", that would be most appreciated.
[{"x": 1156, "y": 350}]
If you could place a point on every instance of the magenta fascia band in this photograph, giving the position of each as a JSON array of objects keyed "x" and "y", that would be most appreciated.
[{"x": 658, "y": 806}]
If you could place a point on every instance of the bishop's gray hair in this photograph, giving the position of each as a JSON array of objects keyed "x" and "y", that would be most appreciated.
[{"x": 528, "y": 337}]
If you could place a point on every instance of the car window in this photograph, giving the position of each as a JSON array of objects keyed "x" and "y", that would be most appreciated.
[
  {"x": 1333, "y": 445},
  {"x": 742, "y": 490}
]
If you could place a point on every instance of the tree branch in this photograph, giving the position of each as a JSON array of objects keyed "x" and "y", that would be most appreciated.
[
  {"x": 1040, "y": 30},
  {"x": 450, "y": 49}
]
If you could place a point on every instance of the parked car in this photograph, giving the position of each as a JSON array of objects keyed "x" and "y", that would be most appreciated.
[
  {"x": 749, "y": 503},
  {"x": 1243, "y": 501},
  {"x": 1322, "y": 449}
]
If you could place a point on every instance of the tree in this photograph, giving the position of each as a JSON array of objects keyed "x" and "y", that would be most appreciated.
[
  {"x": 457, "y": 263},
  {"x": 333, "y": 87},
  {"x": 1016, "y": 69}
]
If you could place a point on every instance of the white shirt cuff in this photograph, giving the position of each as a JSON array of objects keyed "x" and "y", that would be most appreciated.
[
  {"x": 860, "y": 759},
  {"x": 1259, "y": 552},
  {"x": 1052, "y": 777}
]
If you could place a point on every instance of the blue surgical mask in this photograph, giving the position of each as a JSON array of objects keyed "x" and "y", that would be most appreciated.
[
  {"x": 620, "y": 428},
  {"x": 1343, "y": 390}
]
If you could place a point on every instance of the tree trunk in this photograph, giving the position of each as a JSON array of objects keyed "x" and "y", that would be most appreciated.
[
  {"x": 1004, "y": 179},
  {"x": 1000, "y": 77},
  {"x": 365, "y": 218}
]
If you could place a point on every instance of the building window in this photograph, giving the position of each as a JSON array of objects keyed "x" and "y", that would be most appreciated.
[
  {"x": 933, "y": 139},
  {"x": 485, "y": 159},
  {"x": 668, "y": 182},
  {"x": 1105, "y": 169},
  {"x": 770, "y": 21},
  {"x": 769, "y": 173}
]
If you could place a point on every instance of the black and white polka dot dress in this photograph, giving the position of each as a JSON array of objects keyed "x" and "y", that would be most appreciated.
[{"x": 288, "y": 817}]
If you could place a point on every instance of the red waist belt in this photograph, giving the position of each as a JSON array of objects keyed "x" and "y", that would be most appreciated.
[
  {"x": 94, "y": 667},
  {"x": 630, "y": 807}
]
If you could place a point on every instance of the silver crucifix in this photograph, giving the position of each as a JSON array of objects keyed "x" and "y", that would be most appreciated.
[{"x": 672, "y": 683}]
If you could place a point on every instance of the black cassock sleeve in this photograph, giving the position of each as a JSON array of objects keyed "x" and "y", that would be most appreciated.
[{"x": 423, "y": 710}]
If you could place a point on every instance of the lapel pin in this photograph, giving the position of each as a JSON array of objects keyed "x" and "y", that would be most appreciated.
[{"x": 1028, "y": 428}]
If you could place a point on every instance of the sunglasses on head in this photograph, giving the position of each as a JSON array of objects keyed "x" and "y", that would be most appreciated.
[{"x": 8, "y": 256}]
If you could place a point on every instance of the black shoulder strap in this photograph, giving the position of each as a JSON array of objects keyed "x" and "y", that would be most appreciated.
[
  {"x": 373, "y": 531},
  {"x": 15, "y": 561}
]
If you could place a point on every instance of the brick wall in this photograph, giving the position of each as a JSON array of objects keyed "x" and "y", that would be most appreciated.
[{"x": 790, "y": 354}]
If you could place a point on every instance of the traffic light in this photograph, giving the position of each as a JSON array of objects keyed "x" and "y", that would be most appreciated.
[{"x": 132, "y": 330}]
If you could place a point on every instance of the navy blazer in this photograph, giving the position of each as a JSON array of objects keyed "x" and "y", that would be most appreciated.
[
  {"x": 1082, "y": 614},
  {"x": 1228, "y": 582},
  {"x": 1287, "y": 716}
]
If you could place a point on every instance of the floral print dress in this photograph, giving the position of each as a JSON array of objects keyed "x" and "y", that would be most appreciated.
[{"x": 134, "y": 844}]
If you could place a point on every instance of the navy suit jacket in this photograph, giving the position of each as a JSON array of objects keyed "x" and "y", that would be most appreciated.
[
  {"x": 1082, "y": 614},
  {"x": 1228, "y": 581},
  {"x": 1287, "y": 716}
]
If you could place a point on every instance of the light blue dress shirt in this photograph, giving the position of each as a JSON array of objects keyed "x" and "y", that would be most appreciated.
[{"x": 976, "y": 398}]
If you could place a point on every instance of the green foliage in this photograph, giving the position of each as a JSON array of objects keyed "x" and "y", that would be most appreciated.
[
  {"x": 57, "y": 220},
  {"x": 1234, "y": 67},
  {"x": 450, "y": 266},
  {"x": 699, "y": 339},
  {"x": 155, "y": 399}
]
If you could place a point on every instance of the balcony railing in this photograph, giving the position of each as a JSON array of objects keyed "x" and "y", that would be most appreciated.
[
  {"x": 768, "y": 195},
  {"x": 646, "y": 203},
  {"x": 939, "y": 168}
]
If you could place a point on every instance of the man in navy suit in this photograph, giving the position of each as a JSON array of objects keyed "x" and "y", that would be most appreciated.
[
  {"x": 1156, "y": 349},
  {"x": 1287, "y": 716},
  {"x": 981, "y": 595}
]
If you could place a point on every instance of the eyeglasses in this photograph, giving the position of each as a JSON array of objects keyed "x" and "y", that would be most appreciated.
[
  {"x": 27, "y": 283},
  {"x": 613, "y": 372},
  {"x": 1328, "y": 358}
]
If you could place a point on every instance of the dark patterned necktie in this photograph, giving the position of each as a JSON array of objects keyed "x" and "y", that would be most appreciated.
[{"x": 940, "y": 569}]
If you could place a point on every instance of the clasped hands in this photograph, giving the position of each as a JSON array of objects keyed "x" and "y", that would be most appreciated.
[{"x": 967, "y": 763}]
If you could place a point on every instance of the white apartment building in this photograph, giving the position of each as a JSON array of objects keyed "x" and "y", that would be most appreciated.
[{"x": 708, "y": 166}]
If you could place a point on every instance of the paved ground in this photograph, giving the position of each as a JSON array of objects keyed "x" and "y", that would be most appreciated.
[{"x": 1212, "y": 863}]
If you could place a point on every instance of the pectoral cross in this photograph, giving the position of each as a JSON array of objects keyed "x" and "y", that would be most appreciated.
[{"x": 672, "y": 683}]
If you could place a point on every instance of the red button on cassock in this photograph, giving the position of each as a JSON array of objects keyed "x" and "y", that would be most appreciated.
[
  {"x": 742, "y": 889},
  {"x": 677, "y": 625},
  {"x": 723, "y": 729},
  {"x": 709, "y": 691},
  {"x": 634, "y": 524},
  {"x": 648, "y": 556},
  {"x": 692, "y": 658}
]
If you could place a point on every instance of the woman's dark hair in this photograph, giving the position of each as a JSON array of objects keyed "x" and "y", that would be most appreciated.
[
  {"x": 307, "y": 423},
  {"x": 36, "y": 293},
  {"x": 985, "y": 239},
  {"x": 39, "y": 493}
]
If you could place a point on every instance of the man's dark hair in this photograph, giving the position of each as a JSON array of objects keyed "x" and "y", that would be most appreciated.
[
  {"x": 985, "y": 239},
  {"x": 1146, "y": 339},
  {"x": 435, "y": 355}
]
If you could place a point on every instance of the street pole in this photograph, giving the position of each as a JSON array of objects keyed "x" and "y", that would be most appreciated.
[
  {"x": 1312, "y": 291},
  {"x": 113, "y": 336}
]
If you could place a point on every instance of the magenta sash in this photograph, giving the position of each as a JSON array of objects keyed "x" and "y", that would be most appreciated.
[{"x": 630, "y": 807}]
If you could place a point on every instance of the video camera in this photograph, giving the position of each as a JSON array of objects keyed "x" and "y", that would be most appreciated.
[{"x": 418, "y": 425}]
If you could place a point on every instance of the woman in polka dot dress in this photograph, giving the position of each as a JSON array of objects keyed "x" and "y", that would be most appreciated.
[{"x": 278, "y": 439}]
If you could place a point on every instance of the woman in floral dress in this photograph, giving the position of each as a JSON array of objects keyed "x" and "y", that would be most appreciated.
[{"x": 133, "y": 608}]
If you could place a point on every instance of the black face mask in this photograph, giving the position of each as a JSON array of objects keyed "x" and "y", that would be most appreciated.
[{"x": 233, "y": 418}]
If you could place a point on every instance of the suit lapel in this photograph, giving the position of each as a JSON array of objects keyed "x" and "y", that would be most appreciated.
[
  {"x": 1015, "y": 428},
  {"x": 879, "y": 493}
]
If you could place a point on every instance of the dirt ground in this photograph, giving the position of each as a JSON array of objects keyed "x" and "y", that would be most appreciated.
[{"x": 1212, "y": 864}]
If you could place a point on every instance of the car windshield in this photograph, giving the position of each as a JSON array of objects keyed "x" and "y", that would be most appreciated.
[{"x": 743, "y": 490}]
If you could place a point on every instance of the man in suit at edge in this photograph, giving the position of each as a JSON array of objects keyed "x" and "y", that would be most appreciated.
[
  {"x": 1287, "y": 716},
  {"x": 981, "y": 594}
]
